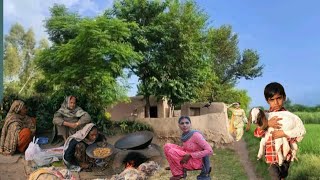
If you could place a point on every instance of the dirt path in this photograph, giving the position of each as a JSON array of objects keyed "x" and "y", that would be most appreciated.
[{"x": 241, "y": 149}]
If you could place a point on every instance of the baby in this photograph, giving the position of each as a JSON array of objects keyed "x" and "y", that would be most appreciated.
[{"x": 292, "y": 126}]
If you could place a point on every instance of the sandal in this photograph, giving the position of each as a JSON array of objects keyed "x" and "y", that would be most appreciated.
[{"x": 178, "y": 177}]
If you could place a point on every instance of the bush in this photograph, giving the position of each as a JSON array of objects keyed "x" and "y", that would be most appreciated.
[{"x": 132, "y": 126}]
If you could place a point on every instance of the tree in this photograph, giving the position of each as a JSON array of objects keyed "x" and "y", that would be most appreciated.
[
  {"x": 12, "y": 52},
  {"x": 12, "y": 62},
  {"x": 169, "y": 38},
  {"x": 227, "y": 63},
  {"x": 88, "y": 59},
  {"x": 20, "y": 47},
  {"x": 62, "y": 26},
  {"x": 185, "y": 69}
]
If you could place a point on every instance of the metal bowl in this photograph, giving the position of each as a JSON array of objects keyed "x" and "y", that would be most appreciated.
[{"x": 92, "y": 147}]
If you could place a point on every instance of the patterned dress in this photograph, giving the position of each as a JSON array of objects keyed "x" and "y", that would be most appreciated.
[
  {"x": 237, "y": 122},
  {"x": 196, "y": 146}
]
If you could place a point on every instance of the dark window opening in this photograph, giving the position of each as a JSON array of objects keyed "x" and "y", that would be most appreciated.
[
  {"x": 153, "y": 111},
  {"x": 194, "y": 111}
]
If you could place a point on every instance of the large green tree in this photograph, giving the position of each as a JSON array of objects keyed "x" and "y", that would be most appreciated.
[
  {"x": 19, "y": 54},
  {"x": 89, "y": 58},
  {"x": 228, "y": 63},
  {"x": 169, "y": 37},
  {"x": 144, "y": 38}
]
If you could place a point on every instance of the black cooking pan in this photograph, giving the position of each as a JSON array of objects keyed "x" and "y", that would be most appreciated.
[{"x": 134, "y": 141}]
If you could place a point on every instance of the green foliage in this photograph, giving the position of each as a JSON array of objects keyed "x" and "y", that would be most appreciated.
[
  {"x": 12, "y": 61},
  {"x": 234, "y": 95},
  {"x": 227, "y": 61},
  {"x": 169, "y": 36},
  {"x": 63, "y": 25},
  {"x": 91, "y": 60},
  {"x": 132, "y": 126},
  {"x": 19, "y": 68}
]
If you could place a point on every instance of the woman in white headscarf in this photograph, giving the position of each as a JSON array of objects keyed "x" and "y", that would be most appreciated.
[
  {"x": 69, "y": 118},
  {"x": 237, "y": 121}
]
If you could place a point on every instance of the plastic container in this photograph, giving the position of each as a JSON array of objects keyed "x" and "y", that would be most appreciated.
[{"x": 43, "y": 140}]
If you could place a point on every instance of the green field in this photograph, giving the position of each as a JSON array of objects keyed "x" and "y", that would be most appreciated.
[
  {"x": 308, "y": 166},
  {"x": 309, "y": 117}
]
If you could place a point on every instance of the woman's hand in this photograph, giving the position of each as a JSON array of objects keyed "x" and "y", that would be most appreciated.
[
  {"x": 84, "y": 165},
  {"x": 70, "y": 124},
  {"x": 74, "y": 125},
  {"x": 273, "y": 122},
  {"x": 185, "y": 159}
]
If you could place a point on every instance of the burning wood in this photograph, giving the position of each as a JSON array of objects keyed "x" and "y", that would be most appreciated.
[
  {"x": 130, "y": 164},
  {"x": 141, "y": 173}
]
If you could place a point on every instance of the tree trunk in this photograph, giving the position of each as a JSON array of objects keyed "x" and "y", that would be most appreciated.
[{"x": 147, "y": 107}]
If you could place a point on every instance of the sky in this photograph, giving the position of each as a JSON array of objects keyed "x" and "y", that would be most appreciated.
[{"x": 284, "y": 33}]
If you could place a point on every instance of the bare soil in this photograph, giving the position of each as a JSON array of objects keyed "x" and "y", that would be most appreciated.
[
  {"x": 241, "y": 148},
  {"x": 20, "y": 169}
]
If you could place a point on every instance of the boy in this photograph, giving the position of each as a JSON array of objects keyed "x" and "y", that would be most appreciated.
[{"x": 275, "y": 96}]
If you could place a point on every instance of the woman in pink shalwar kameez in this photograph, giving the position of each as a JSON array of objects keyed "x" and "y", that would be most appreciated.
[{"x": 191, "y": 155}]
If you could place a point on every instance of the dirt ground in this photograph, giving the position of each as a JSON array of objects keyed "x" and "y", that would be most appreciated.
[
  {"x": 19, "y": 169},
  {"x": 241, "y": 149}
]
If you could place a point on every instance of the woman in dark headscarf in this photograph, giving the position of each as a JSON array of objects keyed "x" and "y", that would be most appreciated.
[
  {"x": 18, "y": 129},
  {"x": 193, "y": 154},
  {"x": 69, "y": 118}
]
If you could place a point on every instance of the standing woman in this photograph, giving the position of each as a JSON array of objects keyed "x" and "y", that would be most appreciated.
[
  {"x": 237, "y": 121},
  {"x": 18, "y": 129},
  {"x": 193, "y": 154}
]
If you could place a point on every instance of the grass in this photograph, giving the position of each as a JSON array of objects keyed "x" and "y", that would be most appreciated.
[
  {"x": 225, "y": 165},
  {"x": 308, "y": 154},
  {"x": 311, "y": 141},
  {"x": 309, "y": 117}
]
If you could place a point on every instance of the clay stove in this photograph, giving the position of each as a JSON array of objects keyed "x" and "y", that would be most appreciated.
[{"x": 135, "y": 149}]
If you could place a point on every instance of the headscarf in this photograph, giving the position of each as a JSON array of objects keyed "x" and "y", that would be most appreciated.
[
  {"x": 15, "y": 108},
  {"x": 10, "y": 134},
  {"x": 79, "y": 136},
  {"x": 70, "y": 113}
]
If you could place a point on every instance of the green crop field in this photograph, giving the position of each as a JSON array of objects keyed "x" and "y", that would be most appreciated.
[{"x": 309, "y": 117}]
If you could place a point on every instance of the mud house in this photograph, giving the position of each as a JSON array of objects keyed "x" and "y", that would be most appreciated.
[
  {"x": 136, "y": 109},
  {"x": 211, "y": 119}
]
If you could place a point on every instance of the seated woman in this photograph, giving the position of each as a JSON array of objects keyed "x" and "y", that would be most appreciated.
[
  {"x": 74, "y": 153},
  {"x": 193, "y": 154},
  {"x": 69, "y": 118},
  {"x": 18, "y": 129}
]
